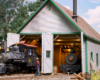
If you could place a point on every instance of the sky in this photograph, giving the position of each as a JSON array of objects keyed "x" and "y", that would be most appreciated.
[{"x": 87, "y": 9}]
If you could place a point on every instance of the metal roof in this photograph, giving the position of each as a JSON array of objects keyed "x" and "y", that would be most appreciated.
[{"x": 81, "y": 24}]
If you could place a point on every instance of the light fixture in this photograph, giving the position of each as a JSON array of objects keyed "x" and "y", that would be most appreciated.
[{"x": 7, "y": 49}]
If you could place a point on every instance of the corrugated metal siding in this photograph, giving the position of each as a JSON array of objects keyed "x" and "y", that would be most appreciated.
[
  {"x": 49, "y": 20},
  {"x": 95, "y": 48}
]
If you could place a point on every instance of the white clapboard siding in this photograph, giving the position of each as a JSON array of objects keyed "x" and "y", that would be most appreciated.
[
  {"x": 49, "y": 21},
  {"x": 95, "y": 48}
]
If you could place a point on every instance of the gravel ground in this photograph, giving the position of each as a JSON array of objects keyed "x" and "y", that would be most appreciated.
[{"x": 33, "y": 77}]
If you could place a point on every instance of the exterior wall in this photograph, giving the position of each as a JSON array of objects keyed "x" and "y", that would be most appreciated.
[
  {"x": 49, "y": 20},
  {"x": 95, "y": 48}
]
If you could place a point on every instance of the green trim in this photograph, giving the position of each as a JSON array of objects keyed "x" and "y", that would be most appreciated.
[
  {"x": 97, "y": 59},
  {"x": 86, "y": 60},
  {"x": 93, "y": 39},
  {"x": 28, "y": 33},
  {"x": 68, "y": 33},
  {"x": 92, "y": 56},
  {"x": 52, "y": 33},
  {"x": 31, "y": 16}
]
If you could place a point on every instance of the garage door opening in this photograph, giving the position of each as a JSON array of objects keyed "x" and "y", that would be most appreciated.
[
  {"x": 67, "y": 53},
  {"x": 35, "y": 40}
]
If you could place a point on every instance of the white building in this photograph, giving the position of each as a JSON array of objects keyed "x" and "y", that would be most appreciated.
[{"x": 52, "y": 27}]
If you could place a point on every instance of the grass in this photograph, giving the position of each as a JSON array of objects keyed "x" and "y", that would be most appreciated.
[{"x": 95, "y": 76}]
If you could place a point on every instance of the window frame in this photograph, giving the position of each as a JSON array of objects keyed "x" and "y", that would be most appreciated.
[
  {"x": 92, "y": 56},
  {"x": 47, "y": 54},
  {"x": 97, "y": 60}
]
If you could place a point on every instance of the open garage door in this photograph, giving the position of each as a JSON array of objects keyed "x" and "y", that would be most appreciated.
[
  {"x": 47, "y": 53},
  {"x": 12, "y": 38},
  {"x": 67, "y": 49}
]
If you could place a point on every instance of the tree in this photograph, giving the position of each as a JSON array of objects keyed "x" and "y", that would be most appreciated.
[
  {"x": 35, "y": 4},
  {"x": 13, "y": 13}
]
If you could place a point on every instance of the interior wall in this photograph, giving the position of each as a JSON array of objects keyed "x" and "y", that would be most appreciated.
[
  {"x": 57, "y": 56},
  {"x": 39, "y": 50},
  {"x": 63, "y": 58}
]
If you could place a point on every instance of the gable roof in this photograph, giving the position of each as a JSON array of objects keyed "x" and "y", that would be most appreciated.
[{"x": 81, "y": 24}]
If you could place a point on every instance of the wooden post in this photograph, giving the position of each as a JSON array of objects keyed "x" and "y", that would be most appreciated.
[
  {"x": 92, "y": 65},
  {"x": 82, "y": 54},
  {"x": 79, "y": 76}
]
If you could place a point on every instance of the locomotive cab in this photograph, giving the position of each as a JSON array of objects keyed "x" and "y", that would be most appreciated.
[{"x": 31, "y": 61}]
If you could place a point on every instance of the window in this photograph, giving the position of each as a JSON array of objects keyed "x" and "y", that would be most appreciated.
[
  {"x": 47, "y": 54},
  {"x": 97, "y": 59},
  {"x": 29, "y": 51},
  {"x": 92, "y": 56}
]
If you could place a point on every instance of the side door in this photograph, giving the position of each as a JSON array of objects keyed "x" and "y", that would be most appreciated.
[
  {"x": 47, "y": 53},
  {"x": 12, "y": 38}
]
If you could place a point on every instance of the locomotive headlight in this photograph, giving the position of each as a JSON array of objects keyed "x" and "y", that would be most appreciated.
[{"x": 71, "y": 58}]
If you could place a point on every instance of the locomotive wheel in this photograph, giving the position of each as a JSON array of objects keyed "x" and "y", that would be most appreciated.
[{"x": 71, "y": 58}]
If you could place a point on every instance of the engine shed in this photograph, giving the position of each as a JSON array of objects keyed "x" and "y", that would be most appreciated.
[{"x": 54, "y": 29}]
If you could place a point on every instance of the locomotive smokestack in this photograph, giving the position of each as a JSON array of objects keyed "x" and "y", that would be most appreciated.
[
  {"x": 74, "y": 10},
  {"x": 42, "y": 1}
]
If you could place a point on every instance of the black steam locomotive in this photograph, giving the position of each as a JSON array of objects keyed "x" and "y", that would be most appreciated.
[
  {"x": 73, "y": 65},
  {"x": 19, "y": 58}
]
